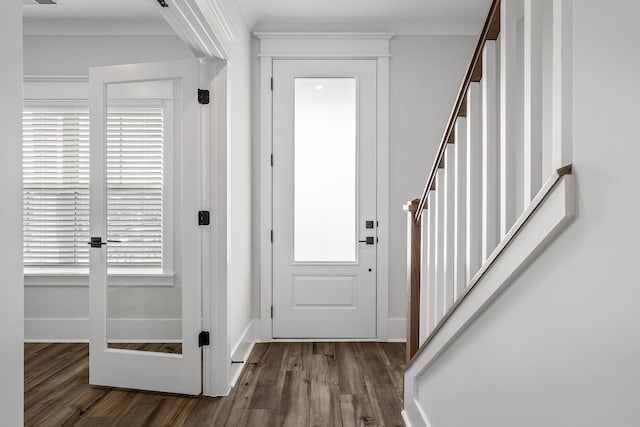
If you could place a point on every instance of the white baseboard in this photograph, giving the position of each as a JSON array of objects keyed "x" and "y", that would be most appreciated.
[
  {"x": 121, "y": 330},
  {"x": 397, "y": 329},
  {"x": 56, "y": 330},
  {"x": 242, "y": 350},
  {"x": 405, "y": 418}
]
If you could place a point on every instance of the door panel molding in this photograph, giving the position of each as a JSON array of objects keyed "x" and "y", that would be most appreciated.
[{"x": 328, "y": 46}]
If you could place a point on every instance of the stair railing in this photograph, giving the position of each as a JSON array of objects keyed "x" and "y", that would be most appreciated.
[{"x": 509, "y": 127}]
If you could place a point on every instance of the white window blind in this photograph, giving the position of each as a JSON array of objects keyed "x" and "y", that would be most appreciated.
[
  {"x": 56, "y": 186},
  {"x": 135, "y": 138}
]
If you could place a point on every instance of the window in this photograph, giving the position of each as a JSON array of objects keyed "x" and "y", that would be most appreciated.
[{"x": 56, "y": 186}]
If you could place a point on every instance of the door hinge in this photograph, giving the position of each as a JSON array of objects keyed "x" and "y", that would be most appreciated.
[
  {"x": 272, "y": 312},
  {"x": 203, "y": 339},
  {"x": 271, "y": 84},
  {"x": 271, "y": 236},
  {"x": 272, "y": 160},
  {"x": 203, "y": 96},
  {"x": 204, "y": 218},
  {"x": 163, "y": 3}
]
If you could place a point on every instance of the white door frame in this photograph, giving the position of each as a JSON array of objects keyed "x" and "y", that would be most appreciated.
[
  {"x": 324, "y": 46},
  {"x": 204, "y": 28}
]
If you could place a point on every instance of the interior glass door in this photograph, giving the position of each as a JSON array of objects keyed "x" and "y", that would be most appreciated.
[{"x": 145, "y": 259}]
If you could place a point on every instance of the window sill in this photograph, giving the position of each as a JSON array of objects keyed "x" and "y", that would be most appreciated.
[{"x": 80, "y": 277}]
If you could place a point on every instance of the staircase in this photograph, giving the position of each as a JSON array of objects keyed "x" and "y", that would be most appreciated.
[{"x": 500, "y": 188}]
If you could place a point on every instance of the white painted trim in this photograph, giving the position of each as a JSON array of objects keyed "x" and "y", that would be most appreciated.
[
  {"x": 382, "y": 203},
  {"x": 121, "y": 330},
  {"x": 397, "y": 329},
  {"x": 405, "y": 418},
  {"x": 242, "y": 350},
  {"x": 203, "y": 27},
  {"x": 330, "y": 46},
  {"x": 324, "y": 45},
  {"x": 266, "y": 192},
  {"x": 287, "y": 55},
  {"x": 321, "y": 35},
  {"x": 216, "y": 360},
  {"x": 549, "y": 213}
]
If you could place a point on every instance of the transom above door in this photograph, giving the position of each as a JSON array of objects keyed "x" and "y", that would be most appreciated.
[{"x": 324, "y": 199}]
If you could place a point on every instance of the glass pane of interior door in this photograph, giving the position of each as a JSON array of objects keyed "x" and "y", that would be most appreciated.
[
  {"x": 144, "y": 298},
  {"x": 325, "y": 170}
]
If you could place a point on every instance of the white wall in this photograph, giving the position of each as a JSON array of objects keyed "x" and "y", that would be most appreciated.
[
  {"x": 11, "y": 302},
  {"x": 58, "y": 308},
  {"x": 74, "y": 55},
  {"x": 560, "y": 347},
  {"x": 425, "y": 75}
]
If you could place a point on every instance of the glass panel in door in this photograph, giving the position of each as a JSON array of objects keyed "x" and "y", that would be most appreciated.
[
  {"x": 325, "y": 169},
  {"x": 144, "y": 303}
]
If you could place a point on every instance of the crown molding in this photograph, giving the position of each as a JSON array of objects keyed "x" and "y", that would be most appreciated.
[{"x": 322, "y": 35}]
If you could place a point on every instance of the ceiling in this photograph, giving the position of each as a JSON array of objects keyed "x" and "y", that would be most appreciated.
[
  {"x": 399, "y": 16},
  {"x": 93, "y": 9}
]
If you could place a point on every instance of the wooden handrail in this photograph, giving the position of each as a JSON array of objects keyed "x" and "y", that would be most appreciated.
[{"x": 490, "y": 31}]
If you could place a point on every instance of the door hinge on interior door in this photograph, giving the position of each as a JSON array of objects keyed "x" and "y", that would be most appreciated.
[
  {"x": 271, "y": 84},
  {"x": 203, "y": 339},
  {"x": 272, "y": 312},
  {"x": 271, "y": 236},
  {"x": 203, "y": 96}
]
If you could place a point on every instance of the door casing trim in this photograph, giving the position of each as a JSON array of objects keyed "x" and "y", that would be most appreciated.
[{"x": 275, "y": 46}]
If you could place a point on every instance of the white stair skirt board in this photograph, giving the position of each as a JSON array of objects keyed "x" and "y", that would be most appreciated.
[
  {"x": 242, "y": 350},
  {"x": 549, "y": 213},
  {"x": 122, "y": 330}
]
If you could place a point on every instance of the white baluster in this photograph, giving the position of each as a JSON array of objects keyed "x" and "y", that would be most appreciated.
[
  {"x": 511, "y": 113},
  {"x": 460, "y": 209},
  {"x": 532, "y": 99},
  {"x": 440, "y": 236},
  {"x": 424, "y": 277},
  {"x": 474, "y": 179},
  {"x": 449, "y": 226},
  {"x": 562, "y": 92},
  {"x": 431, "y": 280},
  {"x": 490, "y": 150}
]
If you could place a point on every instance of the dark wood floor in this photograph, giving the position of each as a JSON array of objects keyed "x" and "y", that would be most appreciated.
[{"x": 282, "y": 384}]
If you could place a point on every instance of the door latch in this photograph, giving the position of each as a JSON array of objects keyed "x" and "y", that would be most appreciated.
[{"x": 96, "y": 242}]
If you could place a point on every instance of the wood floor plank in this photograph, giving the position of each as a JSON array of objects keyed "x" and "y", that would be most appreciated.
[
  {"x": 349, "y": 369},
  {"x": 295, "y": 402},
  {"x": 356, "y": 411},
  {"x": 282, "y": 384}
]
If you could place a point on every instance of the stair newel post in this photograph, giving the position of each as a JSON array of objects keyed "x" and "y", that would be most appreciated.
[{"x": 414, "y": 258}]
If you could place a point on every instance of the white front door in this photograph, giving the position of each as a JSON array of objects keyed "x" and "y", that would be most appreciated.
[
  {"x": 324, "y": 199},
  {"x": 145, "y": 262}
]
